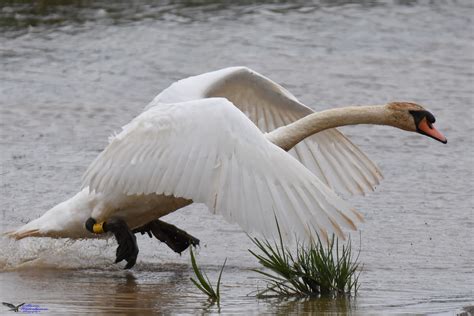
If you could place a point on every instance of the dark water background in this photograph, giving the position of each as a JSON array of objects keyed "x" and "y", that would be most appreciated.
[{"x": 73, "y": 72}]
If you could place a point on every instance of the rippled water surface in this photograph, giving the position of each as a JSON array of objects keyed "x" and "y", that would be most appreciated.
[{"x": 72, "y": 74}]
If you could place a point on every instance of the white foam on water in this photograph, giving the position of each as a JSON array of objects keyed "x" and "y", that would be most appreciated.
[{"x": 55, "y": 253}]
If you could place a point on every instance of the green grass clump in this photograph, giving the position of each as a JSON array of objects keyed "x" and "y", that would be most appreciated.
[
  {"x": 313, "y": 271},
  {"x": 203, "y": 282}
]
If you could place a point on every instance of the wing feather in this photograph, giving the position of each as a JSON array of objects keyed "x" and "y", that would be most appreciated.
[
  {"x": 9, "y": 305},
  {"x": 210, "y": 152},
  {"x": 264, "y": 101}
]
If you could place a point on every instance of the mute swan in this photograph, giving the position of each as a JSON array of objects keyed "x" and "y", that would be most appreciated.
[{"x": 203, "y": 140}]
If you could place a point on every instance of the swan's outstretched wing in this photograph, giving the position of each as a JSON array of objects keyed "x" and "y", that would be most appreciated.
[
  {"x": 209, "y": 152},
  {"x": 329, "y": 154}
]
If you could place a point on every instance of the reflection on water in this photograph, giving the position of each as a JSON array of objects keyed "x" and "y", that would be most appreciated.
[
  {"x": 94, "y": 291},
  {"x": 73, "y": 72},
  {"x": 338, "y": 305},
  {"x": 157, "y": 291}
]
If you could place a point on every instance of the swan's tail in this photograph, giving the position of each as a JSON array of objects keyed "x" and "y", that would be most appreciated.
[
  {"x": 65, "y": 220},
  {"x": 31, "y": 229},
  {"x": 21, "y": 233}
]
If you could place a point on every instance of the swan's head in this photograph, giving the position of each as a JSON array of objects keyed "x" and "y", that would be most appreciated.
[{"x": 414, "y": 118}]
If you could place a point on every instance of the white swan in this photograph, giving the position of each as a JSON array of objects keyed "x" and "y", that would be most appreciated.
[{"x": 193, "y": 143}]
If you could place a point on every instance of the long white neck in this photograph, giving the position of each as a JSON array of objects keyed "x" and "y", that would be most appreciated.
[{"x": 289, "y": 135}]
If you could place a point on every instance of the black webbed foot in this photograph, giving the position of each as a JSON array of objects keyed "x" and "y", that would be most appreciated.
[
  {"x": 127, "y": 242},
  {"x": 177, "y": 239}
]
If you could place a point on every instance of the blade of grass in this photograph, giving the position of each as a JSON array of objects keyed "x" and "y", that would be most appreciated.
[
  {"x": 219, "y": 279},
  {"x": 203, "y": 283}
]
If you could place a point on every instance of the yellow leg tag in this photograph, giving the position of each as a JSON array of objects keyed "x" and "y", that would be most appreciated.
[{"x": 97, "y": 228}]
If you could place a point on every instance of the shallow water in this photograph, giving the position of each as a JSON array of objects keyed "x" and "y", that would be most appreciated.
[{"x": 71, "y": 75}]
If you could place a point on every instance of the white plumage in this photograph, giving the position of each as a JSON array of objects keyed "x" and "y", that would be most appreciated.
[
  {"x": 203, "y": 140},
  {"x": 209, "y": 152},
  {"x": 328, "y": 154}
]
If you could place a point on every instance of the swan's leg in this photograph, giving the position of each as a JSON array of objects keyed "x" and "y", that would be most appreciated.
[
  {"x": 127, "y": 242},
  {"x": 177, "y": 239}
]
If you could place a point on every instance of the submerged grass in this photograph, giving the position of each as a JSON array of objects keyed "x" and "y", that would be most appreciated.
[
  {"x": 203, "y": 283},
  {"x": 314, "y": 270}
]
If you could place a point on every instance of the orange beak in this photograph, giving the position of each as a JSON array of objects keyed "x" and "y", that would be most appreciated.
[{"x": 426, "y": 128}]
